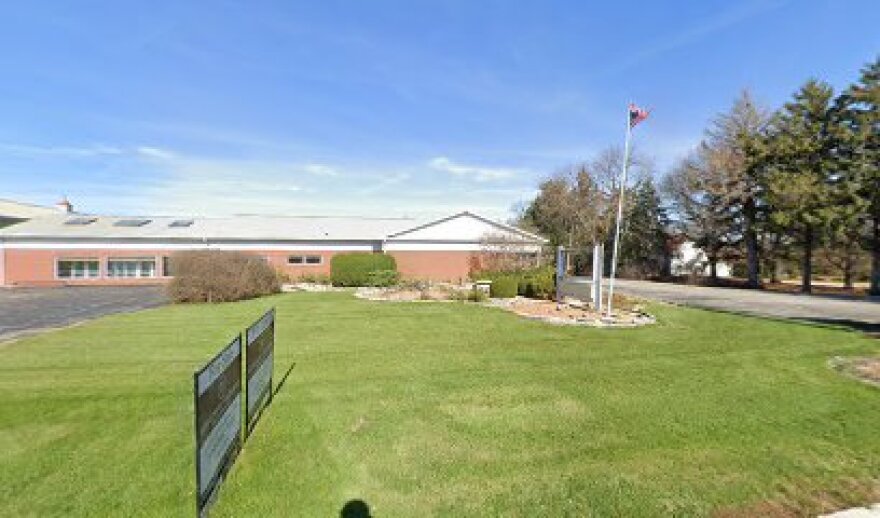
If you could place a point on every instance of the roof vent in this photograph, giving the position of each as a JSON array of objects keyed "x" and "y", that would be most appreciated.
[
  {"x": 131, "y": 222},
  {"x": 64, "y": 205},
  {"x": 181, "y": 223},
  {"x": 80, "y": 221}
]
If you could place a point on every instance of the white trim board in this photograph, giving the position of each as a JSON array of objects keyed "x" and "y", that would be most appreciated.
[
  {"x": 455, "y": 247},
  {"x": 287, "y": 247}
]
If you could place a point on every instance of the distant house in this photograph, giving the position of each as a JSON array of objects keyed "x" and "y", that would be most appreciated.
[
  {"x": 79, "y": 249},
  {"x": 691, "y": 260}
]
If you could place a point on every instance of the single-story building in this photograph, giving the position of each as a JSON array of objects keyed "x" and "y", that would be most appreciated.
[{"x": 78, "y": 249}]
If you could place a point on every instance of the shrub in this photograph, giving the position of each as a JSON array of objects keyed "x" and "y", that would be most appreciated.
[
  {"x": 353, "y": 269},
  {"x": 477, "y": 296},
  {"x": 215, "y": 276},
  {"x": 539, "y": 283},
  {"x": 473, "y": 295},
  {"x": 504, "y": 287},
  {"x": 382, "y": 278},
  {"x": 314, "y": 278}
]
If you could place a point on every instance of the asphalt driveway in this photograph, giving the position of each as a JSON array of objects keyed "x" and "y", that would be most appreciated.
[
  {"x": 863, "y": 314},
  {"x": 25, "y": 310}
]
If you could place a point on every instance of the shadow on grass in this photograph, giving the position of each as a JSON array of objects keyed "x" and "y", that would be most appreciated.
[
  {"x": 355, "y": 509},
  {"x": 869, "y": 329},
  {"x": 281, "y": 383}
]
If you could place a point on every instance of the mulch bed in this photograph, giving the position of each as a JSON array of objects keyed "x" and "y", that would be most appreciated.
[{"x": 864, "y": 369}]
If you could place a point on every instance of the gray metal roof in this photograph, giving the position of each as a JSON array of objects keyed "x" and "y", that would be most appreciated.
[
  {"x": 248, "y": 228},
  {"x": 231, "y": 229},
  {"x": 16, "y": 209}
]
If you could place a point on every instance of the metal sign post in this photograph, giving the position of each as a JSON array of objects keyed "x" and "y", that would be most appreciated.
[
  {"x": 560, "y": 272},
  {"x": 598, "y": 266}
]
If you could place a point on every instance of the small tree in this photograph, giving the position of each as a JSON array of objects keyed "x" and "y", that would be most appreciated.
[
  {"x": 644, "y": 241},
  {"x": 504, "y": 253}
]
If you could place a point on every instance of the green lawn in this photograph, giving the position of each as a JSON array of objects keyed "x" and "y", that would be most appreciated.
[{"x": 443, "y": 409}]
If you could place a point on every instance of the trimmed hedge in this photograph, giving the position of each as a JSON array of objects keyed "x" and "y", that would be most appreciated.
[
  {"x": 537, "y": 283},
  {"x": 363, "y": 269},
  {"x": 504, "y": 287},
  {"x": 217, "y": 276}
]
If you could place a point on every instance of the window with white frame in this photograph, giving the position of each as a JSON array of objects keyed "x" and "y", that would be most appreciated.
[
  {"x": 304, "y": 259},
  {"x": 86, "y": 268},
  {"x": 131, "y": 267}
]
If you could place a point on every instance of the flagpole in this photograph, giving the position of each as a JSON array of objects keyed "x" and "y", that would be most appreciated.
[{"x": 619, "y": 210}]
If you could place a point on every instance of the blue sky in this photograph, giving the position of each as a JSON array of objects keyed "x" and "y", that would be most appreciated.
[{"x": 379, "y": 108}]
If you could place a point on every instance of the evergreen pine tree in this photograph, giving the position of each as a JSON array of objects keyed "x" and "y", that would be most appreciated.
[
  {"x": 803, "y": 145},
  {"x": 860, "y": 116}
]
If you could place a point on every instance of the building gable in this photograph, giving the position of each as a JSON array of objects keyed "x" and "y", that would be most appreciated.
[{"x": 465, "y": 228}]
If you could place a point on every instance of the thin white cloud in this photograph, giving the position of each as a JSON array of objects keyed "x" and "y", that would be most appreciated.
[
  {"x": 384, "y": 181},
  {"x": 171, "y": 182},
  {"x": 320, "y": 170},
  {"x": 683, "y": 37},
  {"x": 61, "y": 151},
  {"x": 154, "y": 152},
  {"x": 478, "y": 173}
]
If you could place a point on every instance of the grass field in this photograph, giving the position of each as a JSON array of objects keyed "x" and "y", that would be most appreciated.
[{"x": 444, "y": 409}]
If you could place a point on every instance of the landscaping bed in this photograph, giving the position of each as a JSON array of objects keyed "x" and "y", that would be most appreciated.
[
  {"x": 575, "y": 312},
  {"x": 866, "y": 369},
  {"x": 628, "y": 312}
]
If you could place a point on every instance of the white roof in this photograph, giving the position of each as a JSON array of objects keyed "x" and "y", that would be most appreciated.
[
  {"x": 237, "y": 228},
  {"x": 18, "y": 210}
]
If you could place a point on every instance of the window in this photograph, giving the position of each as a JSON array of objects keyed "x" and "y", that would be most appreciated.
[
  {"x": 131, "y": 267},
  {"x": 167, "y": 267},
  {"x": 80, "y": 221},
  {"x": 304, "y": 259},
  {"x": 131, "y": 222},
  {"x": 78, "y": 268},
  {"x": 181, "y": 223}
]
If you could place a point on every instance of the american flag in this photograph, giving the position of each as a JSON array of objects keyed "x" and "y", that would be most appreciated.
[{"x": 636, "y": 115}]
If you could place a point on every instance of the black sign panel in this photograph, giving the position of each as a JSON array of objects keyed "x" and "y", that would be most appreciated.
[
  {"x": 260, "y": 339},
  {"x": 217, "y": 389}
]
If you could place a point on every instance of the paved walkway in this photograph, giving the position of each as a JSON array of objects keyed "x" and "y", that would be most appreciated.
[
  {"x": 863, "y": 314},
  {"x": 33, "y": 309}
]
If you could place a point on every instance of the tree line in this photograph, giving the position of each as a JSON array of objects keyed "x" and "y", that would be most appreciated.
[{"x": 765, "y": 190}]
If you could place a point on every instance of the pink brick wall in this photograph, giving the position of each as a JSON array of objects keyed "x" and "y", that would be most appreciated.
[{"x": 24, "y": 267}]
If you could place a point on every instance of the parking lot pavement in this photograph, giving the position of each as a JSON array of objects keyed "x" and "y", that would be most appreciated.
[
  {"x": 862, "y": 314},
  {"x": 25, "y": 310}
]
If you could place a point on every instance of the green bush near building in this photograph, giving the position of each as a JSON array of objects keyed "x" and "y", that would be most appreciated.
[
  {"x": 361, "y": 269},
  {"x": 504, "y": 287},
  {"x": 535, "y": 283}
]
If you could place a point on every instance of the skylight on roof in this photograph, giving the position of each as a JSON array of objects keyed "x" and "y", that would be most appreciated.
[
  {"x": 80, "y": 221},
  {"x": 180, "y": 223},
  {"x": 131, "y": 222}
]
